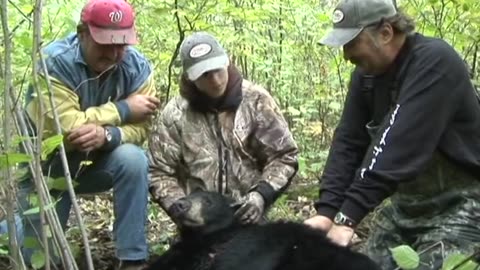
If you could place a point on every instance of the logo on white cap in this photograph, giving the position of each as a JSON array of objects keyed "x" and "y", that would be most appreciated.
[
  {"x": 337, "y": 16},
  {"x": 200, "y": 50}
]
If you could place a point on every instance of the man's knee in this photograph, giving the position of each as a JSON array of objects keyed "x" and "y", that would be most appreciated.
[{"x": 130, "y": 157}]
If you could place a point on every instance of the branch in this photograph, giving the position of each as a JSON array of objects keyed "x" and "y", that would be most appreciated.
[
  {"x": 14, "y": 29},
  {"x": 474, "y": 61},
  {"x": 181, "y": 34},
  {"x": 16, "y": 259},
  {"x": 40, "y": 184},
  {"x": 17, "y": 99},
  {"x": 37, "y": 33},
  {"x": 66, "y": 169},
  {"x": 21, "y": 12},
  {"x": 339, "y": 73},
  {"x": 200, "y": 10},
  {"x": 43, "y": 194}
]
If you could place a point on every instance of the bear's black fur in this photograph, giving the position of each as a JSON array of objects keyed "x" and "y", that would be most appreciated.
[{"x": 210, "y": 238}]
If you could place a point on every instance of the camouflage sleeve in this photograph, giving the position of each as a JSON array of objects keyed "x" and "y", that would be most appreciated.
[
  {"x": 164, "y": 158},
  {"x": 278, "y": 147}
]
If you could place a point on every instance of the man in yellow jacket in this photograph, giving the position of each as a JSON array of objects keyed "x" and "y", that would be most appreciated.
[{"x": 104, "y": 96}]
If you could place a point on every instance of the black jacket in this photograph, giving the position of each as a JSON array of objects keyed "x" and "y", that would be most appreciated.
[{"x": 436, "y": 109}]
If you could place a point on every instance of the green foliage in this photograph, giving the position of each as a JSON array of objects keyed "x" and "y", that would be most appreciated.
[
  {"x": 59, "y": 183},
  {"x": 38, "y": 259},
  {"x": 50, "y": 144},
  {"x": 453, "y": 261},
  {"x": 11, "y": 159},
  {"x": 31, "y": 242},
  {"x": 159, "y": 248},
  {"x": 407, "y": 258},
  {"x": 36, "y": 210},
  {"x": 3, "y": 244}
]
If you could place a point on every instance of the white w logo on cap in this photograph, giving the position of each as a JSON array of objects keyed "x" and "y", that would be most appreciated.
[{"x": 116, "y": 16}]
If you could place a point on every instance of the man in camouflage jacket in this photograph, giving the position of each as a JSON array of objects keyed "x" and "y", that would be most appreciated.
[{"x": 222, "y": 133}]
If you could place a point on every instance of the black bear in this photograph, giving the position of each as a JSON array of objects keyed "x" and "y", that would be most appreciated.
[{"x": 211, "y": 238}]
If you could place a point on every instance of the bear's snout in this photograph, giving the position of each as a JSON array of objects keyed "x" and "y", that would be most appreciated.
[{"x": 180, "y": 207}]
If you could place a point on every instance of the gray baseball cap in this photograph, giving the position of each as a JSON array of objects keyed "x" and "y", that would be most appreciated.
[
  {"x": 350, "y": 17},
  {"x": 201, "y": 52}
]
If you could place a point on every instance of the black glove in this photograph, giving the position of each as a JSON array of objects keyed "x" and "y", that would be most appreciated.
[{"x": 252, "y": 209}]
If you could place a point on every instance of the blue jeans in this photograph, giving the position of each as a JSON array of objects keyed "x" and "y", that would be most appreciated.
[
  {"x": 126, "y": 170},
  {"x": 18, "y": 224}
]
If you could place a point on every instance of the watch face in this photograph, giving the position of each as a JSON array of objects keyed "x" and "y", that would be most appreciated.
[
  {"x": 338, "y": 219},
  {"x": 108, "y": 135}
]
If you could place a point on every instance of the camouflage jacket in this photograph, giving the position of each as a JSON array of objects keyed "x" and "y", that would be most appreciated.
[{"x": 232, "y": 152}]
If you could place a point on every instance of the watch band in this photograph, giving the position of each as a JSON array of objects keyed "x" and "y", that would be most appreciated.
[{"x": 342, "y": 219}]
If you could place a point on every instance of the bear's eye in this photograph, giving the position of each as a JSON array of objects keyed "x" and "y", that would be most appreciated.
[{"x": 207, "y": 202}]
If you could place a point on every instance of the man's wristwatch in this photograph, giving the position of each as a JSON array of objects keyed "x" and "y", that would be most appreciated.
[
  {"x": 341, "y": 219},
  {"x": 108, "y": 134}
]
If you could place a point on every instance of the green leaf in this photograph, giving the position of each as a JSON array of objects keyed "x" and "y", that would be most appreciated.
[
  {"x": 86, "y": 163},
  {"x": 30, "y": 242},
  {"x": 33, "y": 199},
  {"x": 3, "y": 251},
  {"x": 50, "y": 144},
  {"x": 38, "y": 259},
  {"x": 453, "y": 260},
  {"x": 21, "y": 173},
  {"x": 18, "y": 139},
  {"x": 36, "y": 210},
  {"x": 76, "y": 249},
  {"x": 4, "y": 239},
  {"x": 405, "y": 257},
  {"x": 59, "y": 183},
  {"x": 11, "y": 159}
]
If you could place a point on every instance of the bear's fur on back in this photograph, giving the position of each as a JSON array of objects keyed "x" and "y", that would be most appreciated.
[{"x": 281, "y": 245}]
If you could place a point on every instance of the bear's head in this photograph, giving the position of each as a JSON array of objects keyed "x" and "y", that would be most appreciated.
[{"x": 203, "y": 212}]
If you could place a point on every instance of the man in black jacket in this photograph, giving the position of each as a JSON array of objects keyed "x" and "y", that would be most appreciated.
[{"x": 410, "y": 131}]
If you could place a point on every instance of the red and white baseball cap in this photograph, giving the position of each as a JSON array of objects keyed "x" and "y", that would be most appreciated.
[{"x": 110, "y": 21}]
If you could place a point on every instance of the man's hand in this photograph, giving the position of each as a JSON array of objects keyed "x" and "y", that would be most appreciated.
[
  {"x": 252, "y": 209},
  {"x": 141, "y": 107},
  {"x": 87, "y": 137},
  {"x": 319, "y": 222},
  {"x": 341, "y": 235}
]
